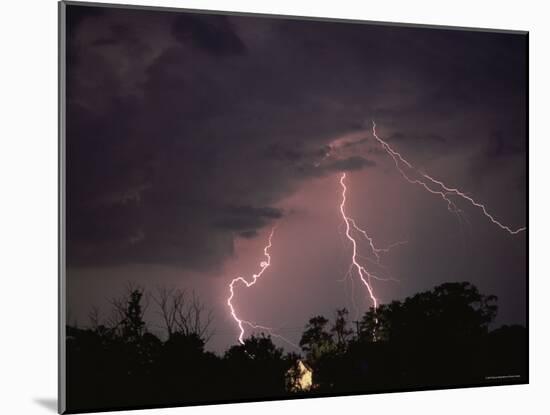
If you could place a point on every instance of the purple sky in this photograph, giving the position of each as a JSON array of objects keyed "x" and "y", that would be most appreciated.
[{"x": 190, "y": 136}]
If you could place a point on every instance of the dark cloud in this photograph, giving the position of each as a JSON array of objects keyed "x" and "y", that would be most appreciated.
[
  {"x": 349, "y": 164},
  {"x": 247, "y": 218},
  {"x": 214, "y": 34},
  {"x": 77, "y": 14},
  {"x": 418, "y": 138},
  {"x": 105, "y": 41},
  {"x": 248, "y": 234},
  {"x": 291, "y": 155},
  {"x": 504, "y": 144},
  {"x": 185, "y": 130}
]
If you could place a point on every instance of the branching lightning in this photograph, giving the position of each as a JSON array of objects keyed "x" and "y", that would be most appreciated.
[
  {"x": 437, "y": 187},
  {"x": 364, "y": 274},
  {"x": 264, "y": 265}
]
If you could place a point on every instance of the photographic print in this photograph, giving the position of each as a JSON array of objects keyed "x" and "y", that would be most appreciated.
[{"x": 258, "y": 207}]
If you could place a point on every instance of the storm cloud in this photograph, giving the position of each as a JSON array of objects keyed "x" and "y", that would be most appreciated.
[{"x": 185, "y": 131}]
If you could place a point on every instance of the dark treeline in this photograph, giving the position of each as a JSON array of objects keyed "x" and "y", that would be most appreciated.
[{"x": 433, "y": 339}]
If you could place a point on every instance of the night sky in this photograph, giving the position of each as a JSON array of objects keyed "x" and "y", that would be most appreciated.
[{"x": 189, "y": 136}]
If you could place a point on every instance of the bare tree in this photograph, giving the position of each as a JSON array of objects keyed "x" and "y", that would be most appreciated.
[
  {"x": 183, "y": 314},
  {"x": 169, "y": 301},
  {"x": 93, "y": 315}
]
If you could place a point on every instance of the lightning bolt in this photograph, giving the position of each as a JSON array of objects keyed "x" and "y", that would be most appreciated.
[
  {"x": 437, "y": 187},
  {"x": 264, "y": 265},
  {"x": 364, "y": 275}
]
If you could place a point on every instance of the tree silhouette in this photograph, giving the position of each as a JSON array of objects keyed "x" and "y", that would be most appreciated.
[
  {"x": 183, "y": 315},
  {"x": 132, "y": 324},
  {"x": 316, "y": 339},
  {"x": 340, "y": 329},
  {"x": 451, "y": 310},
  {"x": 436, "y": 338},
  {"x": 257, "y": 367}
]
